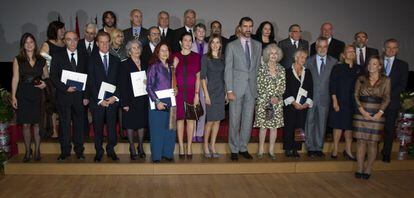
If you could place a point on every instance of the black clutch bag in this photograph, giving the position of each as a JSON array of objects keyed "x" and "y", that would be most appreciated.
[
  {"x": 193, "y": 112},
  {"x": 269, "y": 111}
]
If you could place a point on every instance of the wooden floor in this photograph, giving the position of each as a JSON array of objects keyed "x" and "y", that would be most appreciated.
[{"x": 382, "y": 184}]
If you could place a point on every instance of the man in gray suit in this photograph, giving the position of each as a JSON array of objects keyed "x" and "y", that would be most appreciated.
[
  {"x": 320, "y": 66},
  {"x": 290, "y": 45},
  {"x": 242, "y": 61}
]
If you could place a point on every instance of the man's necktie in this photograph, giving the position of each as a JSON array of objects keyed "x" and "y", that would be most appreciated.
[
  {"x": 387, "y": 66},
  {"x": 72, "y": 61},
  {"x": 361, "y": 57},
  {"x": 247, "y": 53},
  {"x": 106, "y": 64},
  {"x": 89, "y": 50},
  {"x": 322, "y": 65}
]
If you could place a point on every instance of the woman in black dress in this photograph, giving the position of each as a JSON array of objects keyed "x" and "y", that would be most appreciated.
[
  {"x": 54, "y": 44},
  {"x": 135, "y": 109},
  {"x": 295, "y": 112},
  {"x": 341, "y": 87},
  {"x": 27, "y": 85},
  {"x": 265, "y": 34}
]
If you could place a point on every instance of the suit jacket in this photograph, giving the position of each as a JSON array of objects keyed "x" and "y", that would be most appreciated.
[
  {"x": 169, "y": 38},
  {"x": 97, "y": 75},
  {"x": 238, "y": 75},
  {"x": 143, "y": 35},
  {"x": 368, "y": 53},
  {"x": 289, "y": 51},
  {"x": 178, "y": 32},
  {"x": 61, "y": 62},
  {"x": 399, "y": 78},
  {"x": 321, "y": 94},
  {"x": 335, "y": 48},
  {"x": 82, "y": 48},
  {"x": 146, "y": 54}
]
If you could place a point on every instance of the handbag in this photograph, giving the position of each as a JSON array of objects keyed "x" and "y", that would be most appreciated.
[
  {"x": 192, "y": 112},
  {"x": 269, "y": 111},
  {"x": 299, "y": 135}
]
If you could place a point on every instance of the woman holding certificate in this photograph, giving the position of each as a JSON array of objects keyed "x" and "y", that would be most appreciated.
[
  {"x": 297, "y": 99},
  {"x": 134, "y": 107},
  {"x": 159, "y": 77},
  {"x": 188, "y": 84}
]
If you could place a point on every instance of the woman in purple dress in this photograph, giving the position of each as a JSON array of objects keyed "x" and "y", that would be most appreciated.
[{"x": 187, "y": 74}]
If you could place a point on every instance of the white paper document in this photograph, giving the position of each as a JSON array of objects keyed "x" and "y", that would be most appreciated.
[
  {"x": 138, "y": 83},
  {"x": 106, "y": 89},
  {"x": 166, "y": 93},
  {"x": 302, "y": 95},
  {"x": 74, "y": 79}
]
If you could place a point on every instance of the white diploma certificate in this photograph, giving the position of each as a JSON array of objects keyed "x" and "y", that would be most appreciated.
[
  {"x": 138, "y": 83},
  {"x": 75, "y": 79},
  {"x": 166, "y": 93}
]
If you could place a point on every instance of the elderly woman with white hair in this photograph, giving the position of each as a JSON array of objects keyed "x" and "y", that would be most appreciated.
[
  {"x": 269, "y": 107},
  {"x": 134, "y": 109}
]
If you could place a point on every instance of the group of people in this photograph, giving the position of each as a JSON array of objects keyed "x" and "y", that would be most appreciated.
[{"x": 348, "y": 88}]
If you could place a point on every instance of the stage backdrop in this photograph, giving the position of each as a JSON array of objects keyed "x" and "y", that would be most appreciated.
[{"x": 379, "y": 20}]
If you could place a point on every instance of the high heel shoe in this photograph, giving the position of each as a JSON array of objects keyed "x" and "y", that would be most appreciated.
[
  {"x": 132, "y": 154},
  {"x": 207, "y": 155},
  {"x": 27, "y": 156},
  {"x": 141, "y": 152},
  {"x": 348, "y": 157},
  {"x": 189, "y": 154},
  {"x": 37, "y": 156},
  {"x": 181, "y": 154},
  {"x": 365, "y": 176},
  {"x": 214, "y": 155},
  {"x": 358, "y": 175}
]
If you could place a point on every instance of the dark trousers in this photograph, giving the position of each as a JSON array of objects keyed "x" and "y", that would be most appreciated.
[
  {"x": 68, "y": 113},
  {"x": 100, "y": 116},
  {"x": 389, "y": 128},
  {"x": 293, "y": 119}
]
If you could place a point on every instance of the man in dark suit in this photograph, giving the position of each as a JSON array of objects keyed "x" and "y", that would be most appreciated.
[
  {"x": 397, "y": 71},
  {"x": 148, "y": 49},
  {"x": 167, "y": 34},
  {"x": 70, "y": 101},
  {"x": 108, "y": 21},
  {"x": 335, "y": 47},
  {"x": 215, "y": 28},
  {"x": 136, "y": 31},
  {"x": 363, "y": 52},
  {"x": 291, "y": 44},
  {"x": 189, "y": 22},
  {"x": 104, "y": 67},
  {"x": 87, "y": 45}
]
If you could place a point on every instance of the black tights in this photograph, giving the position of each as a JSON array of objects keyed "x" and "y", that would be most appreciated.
[
  {"x": 28, "y": 138},
  {"x": 131, "y": 134}
]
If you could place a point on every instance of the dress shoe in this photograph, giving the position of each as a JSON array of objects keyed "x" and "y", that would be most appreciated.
[
  {"x": 97, "y": 158},
  {"x": 288, "y": 153},
  {"x": 234, "y": 156},
  {"x": 319, "y": 154},
  {"x": 348, "y": 157},
  {"x": 62, "y": 157},
  {"x": 80, "y": 156},
  {"x": 334, "y": 156},
  {"x": 133, "y": 156},
  {"x": 113, "y": 156},
  {"x": 311, "y": 153},
  {"x": 365, "y": 176},
  {"x": 386, "y": 158},
  {"x": 358, "y": 175},
  {"x": 246, "y": 155},
  {"x": 295, "y": 154},
  {"x": 156, "y": 161}
]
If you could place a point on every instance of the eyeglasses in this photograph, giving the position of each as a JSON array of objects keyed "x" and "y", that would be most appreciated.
[{"x": 296, "y": 31}]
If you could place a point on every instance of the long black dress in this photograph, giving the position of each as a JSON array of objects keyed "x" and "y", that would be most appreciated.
[
  {"x": 342, "y": 83},
  {"x": 295, "y": 118},
  {"x": 137, "y": 116},
  {"x": 28, "y": 96}
]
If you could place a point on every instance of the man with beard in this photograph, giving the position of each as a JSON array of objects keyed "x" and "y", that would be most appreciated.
[
  {"x": 215, "y": 28},
  {"x": 108, "y": 22},
  {"x": 362, "y": 51},
  {"x": 240, "y": 76},
  {"x": 148, "y": 48}
]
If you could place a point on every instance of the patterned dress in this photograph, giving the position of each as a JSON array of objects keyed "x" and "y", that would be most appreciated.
[{"x": 269, "y": 86}]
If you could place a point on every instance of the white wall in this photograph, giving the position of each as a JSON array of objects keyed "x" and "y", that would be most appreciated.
[{"x": 381, "y": 21}]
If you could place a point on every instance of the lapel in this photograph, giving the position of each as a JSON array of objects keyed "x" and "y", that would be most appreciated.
[
  {"x": 394, "y": 66},
  {"x": 314, "y": 66},
  {"x": 100, "y": 66}
]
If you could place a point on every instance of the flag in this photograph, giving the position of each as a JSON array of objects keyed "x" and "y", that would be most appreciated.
[
  {"x": 96, "y": 19},
  {"x": 77, "y": 26},
  {"x": 58, "y": 17}
]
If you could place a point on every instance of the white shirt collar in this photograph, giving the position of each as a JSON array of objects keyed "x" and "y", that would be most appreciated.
[
  {"x": 152, "y": 47},
  {"x": 188, "y": 29},
  {"x": 161, "y": 29},
  {"x": 102, "y": 55},
  {"x": 329, "y": 40},
  {"x": 293, "y": 41},
  {"x": 302, "y": 77},
  {"x": 87, "y": 43}
]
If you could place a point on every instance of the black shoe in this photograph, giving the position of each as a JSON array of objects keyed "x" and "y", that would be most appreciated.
[
  {"x": 288, "y": 153},
  {"x": 319, "y": 154},
  {"x": 234, "y": 156},
  {"x": 141, "y": 152},
  {"x": 97, "y": 158},
  {"x": 365, "y": 176},
  {"x": 358, "y": 175},
  {"x": 37, "y": 156},
  {"x": 62, "y": 157},
  {"x": 246, "y": 155},
  {"x": 133, "y": 156},
  {"x": 189, "y": 156},
  {"x": 28, "y": 156},
  {"x": 311, "y": 153},
  {"x": 334, "y": 156},
  {"x": 80, "y": 156},
  {"x": 113, "y": 156},
  {"x": 167, "y": 159},
  {"x": 295, "y": 154},
  {"x": 348, "y": 157},
  {"x": 156, "y": 161},
  {"x": 386, "y": 158}
]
